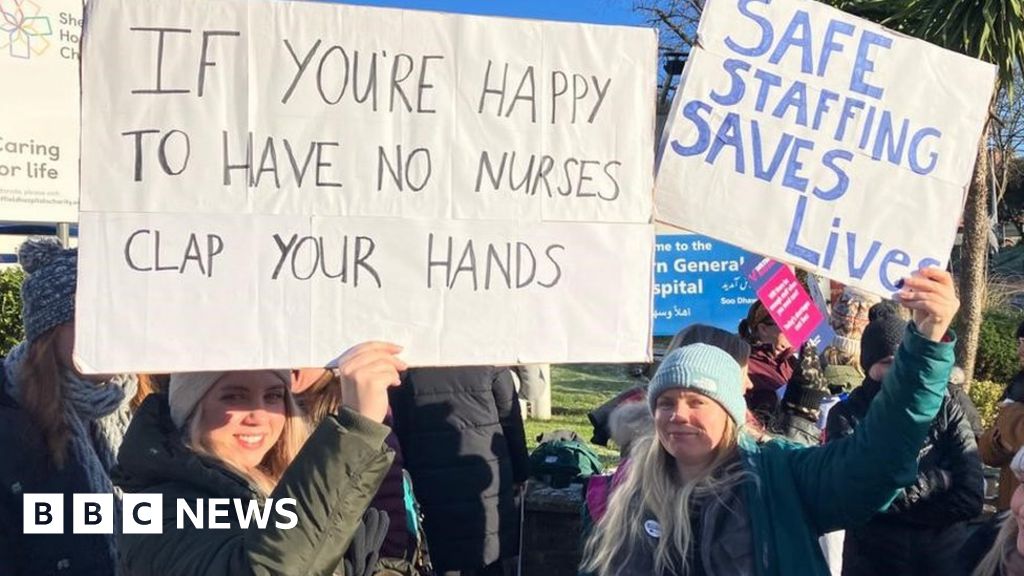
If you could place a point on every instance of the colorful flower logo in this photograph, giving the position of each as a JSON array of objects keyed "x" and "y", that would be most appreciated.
[{"x": 23, "y": 31}]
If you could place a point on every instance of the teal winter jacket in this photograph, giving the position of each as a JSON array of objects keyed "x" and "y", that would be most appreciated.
[{"x": 801, "y": 492}]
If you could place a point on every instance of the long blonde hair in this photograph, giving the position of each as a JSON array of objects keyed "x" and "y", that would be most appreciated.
[
  {"x": 652, "y": 484},
  {"x": 992, "y": 563},
  {"x": 267, "y": 474}
]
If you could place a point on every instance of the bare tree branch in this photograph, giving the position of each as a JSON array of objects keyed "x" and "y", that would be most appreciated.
[
  {"x": 677, "y": 19},
  {"x": 666, "y": 19}
]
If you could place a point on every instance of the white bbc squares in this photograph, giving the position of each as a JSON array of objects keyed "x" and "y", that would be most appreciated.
[
  {"x": 142, "y": 513},
  {"x": 43, "y": 514},
  {"x": 93, "y": 514}
]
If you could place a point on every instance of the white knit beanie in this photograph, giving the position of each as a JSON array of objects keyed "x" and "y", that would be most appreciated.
[{"x": 187, "y": 389}]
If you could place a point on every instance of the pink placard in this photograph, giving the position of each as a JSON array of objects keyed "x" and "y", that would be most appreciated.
[{"x": 790, "y": 306}]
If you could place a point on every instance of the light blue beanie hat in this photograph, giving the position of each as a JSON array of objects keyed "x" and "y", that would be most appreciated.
[{"x": 706, "y": 369}]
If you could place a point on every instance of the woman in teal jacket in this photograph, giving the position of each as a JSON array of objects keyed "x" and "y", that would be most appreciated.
[{"x": 702, "y": 497}]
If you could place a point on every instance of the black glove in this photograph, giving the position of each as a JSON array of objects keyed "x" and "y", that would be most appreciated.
[
  {"x": 930, "y": 483},
  {"x": 364, "y": 551}
]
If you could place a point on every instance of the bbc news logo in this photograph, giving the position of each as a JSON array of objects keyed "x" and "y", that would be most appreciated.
[{"x": 143, "y": 513}]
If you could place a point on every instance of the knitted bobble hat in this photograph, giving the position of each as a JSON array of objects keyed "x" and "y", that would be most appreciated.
[{"x": 48, "y": 292}]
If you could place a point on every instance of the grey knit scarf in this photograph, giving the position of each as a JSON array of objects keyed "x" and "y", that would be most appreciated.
[{"x": 98, "y": 415}]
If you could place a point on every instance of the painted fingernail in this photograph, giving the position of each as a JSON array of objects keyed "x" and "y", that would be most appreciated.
[{"x": 899, "y": 283}]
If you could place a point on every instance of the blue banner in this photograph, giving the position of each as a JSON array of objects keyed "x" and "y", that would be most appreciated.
[{"x": 699, "y": 280}]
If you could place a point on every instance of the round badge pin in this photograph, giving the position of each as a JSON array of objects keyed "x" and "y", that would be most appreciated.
[{"x": 653, "y": 528}]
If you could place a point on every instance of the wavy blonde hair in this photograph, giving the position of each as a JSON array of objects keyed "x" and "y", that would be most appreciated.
[
  {"x": 267, "y": 474},
  {"x": 653, "y": 484}
]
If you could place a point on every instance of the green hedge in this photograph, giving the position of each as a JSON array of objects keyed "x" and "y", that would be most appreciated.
[
  {"x": 11, "y": 331},
  {"x": 997, "y": 348},
  {"x": 985, "y": 394}
]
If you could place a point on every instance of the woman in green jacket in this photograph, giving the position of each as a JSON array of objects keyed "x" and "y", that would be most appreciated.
[
  {"x": 238, "y": 435},
  {"x": 702, "y": 497}
]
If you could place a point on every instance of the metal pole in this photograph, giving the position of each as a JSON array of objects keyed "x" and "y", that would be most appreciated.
[
  {"x": 64, "y": 233},
  {"x": 542, "y": 404}
]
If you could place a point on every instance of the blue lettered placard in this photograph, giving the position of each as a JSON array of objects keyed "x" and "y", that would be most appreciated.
[{"x": 822, "y": 140}]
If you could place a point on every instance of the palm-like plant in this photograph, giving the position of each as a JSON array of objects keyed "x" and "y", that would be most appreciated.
[{"x": 991, "y": 30}]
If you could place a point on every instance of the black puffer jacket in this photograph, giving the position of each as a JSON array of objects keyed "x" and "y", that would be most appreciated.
[
  {"x": 464, "y": 445},
  {"x": 925, "y": 526},
  {"x": 25, "y": 468}
]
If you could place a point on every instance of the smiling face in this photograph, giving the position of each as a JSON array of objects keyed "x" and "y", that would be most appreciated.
[
  {"x": 690, "y": 426},
  {"x": 241, "y": 417}
]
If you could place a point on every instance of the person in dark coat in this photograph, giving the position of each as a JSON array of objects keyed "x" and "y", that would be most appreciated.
[
  {"x": 462, "y": 435},
  {"x": 771, "y": 363},
  {"x": 59, "y": 429},
  {"x": 922, "y": 530},
  {"x": 318, "y": 393},
  {"x": 958, "y": 390}
]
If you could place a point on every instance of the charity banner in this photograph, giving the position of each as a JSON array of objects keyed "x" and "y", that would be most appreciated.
[
  {"x": 794, "y": 311},
  {"x": 822, "y": 140},
  {"x": 314, "y": 175},
  {"x": 699, "y": 280},
  {"x": 39, "y": 128}
]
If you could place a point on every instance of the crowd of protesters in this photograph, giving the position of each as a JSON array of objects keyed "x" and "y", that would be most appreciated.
[{"x": 744, "y": 456}]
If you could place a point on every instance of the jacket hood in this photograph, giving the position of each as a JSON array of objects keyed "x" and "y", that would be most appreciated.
[{"x": 154, "y": 453}]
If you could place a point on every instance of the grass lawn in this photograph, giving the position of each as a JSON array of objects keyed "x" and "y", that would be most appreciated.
[{"x": 576, "y": 390}]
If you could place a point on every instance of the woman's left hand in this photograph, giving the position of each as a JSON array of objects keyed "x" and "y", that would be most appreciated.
[
  {"x": 367, "y": 371},
  {"x": 930, "y": 294}
]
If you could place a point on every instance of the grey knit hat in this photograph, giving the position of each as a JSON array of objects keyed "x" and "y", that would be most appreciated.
[
  {"x": 48, "y": 292},
  {"x": 186, "y": 390},
  {"x": 705, "y": 369}
]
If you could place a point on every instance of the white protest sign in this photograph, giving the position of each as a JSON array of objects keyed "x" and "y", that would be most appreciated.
[
  {"x": 267, "y": 183},
  {"x": 823, "y": 140},
  {"x": 39, "y": 125}
]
